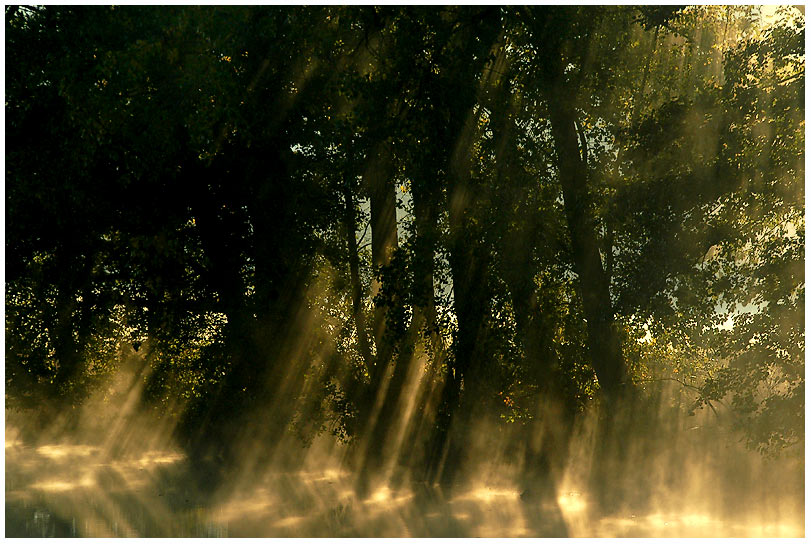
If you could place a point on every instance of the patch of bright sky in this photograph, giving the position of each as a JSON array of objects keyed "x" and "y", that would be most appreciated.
[{"x": 770, "y": 12}]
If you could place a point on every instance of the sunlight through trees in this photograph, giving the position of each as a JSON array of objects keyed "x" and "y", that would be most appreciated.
[{"x": 421, "y": 241}]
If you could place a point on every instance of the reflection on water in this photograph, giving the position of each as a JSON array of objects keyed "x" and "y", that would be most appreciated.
[{"x": 69, "y": 490}]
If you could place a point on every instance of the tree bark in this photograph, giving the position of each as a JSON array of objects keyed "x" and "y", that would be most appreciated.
[
  {"x": 605, "y": 348},
  {"x": 604, "y": 342},
  {"x": 383, "y": 207},
  {"x": 354, "y": 275},
  {"x": 467, "y": 258}
]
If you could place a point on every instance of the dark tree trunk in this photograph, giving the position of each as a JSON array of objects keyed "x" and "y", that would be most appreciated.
[
  {"x": 468, "y": 258},
  {"x": 390, "y": 420},
  {"x": 468, "y": 261},
  {"x": 205, "y": 425},
  {"x": 280, "y": 276},
  {"x": 379, "y": 183},
  {"x": 378, "y": 401},
  {"x": 605, "y": 348},
  {"x": 358, "y": 314},
  {"x": 424, "y": 327},
  {"x": 545, "y": 439},
  {"x": 72, "y": 328},
  {"x": 604, "y": 341}
]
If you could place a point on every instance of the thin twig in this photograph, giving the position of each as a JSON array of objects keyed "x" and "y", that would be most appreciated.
[{"x": 362, "y": 236}]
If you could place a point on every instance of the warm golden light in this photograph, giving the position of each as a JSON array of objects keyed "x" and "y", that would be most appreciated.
[{"x": 387, "y": 271}]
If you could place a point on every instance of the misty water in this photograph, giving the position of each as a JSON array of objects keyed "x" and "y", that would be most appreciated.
[{"x": 89, "y": 489}]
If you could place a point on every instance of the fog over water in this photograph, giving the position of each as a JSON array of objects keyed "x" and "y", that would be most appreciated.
[{"x": 696, "y": 482}]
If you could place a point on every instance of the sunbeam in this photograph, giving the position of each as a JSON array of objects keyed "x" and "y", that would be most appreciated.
[{"x": 405, "y": 271}]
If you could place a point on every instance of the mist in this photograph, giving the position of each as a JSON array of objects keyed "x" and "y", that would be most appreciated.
[
  {"x": 119, "y": 474},
  {"x": 355, "y": 271}
]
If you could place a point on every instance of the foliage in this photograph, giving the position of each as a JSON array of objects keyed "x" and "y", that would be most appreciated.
[{"x": 207, "y": 182}]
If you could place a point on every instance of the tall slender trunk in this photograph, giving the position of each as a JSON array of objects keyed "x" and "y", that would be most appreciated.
[
  {"x": 468, "y": 261},
  {"x": 542, "y": 441},
  {"x": 377, "y": 400},
  {"x": 354, "y": 276},
  {"x": 604, "y": 342},
  {"x": 605, "y": 348},
  {"x": 280, "y": 282},
  {"x": 426, "y": 198},
  {"x": 201, "y": 432},
  {"x": 390, "y": 429},
  {"x": 71, "y": 329},
  {"x": 383, "y": 207}
]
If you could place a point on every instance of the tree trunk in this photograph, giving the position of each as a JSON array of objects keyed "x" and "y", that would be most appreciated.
[
  {"x": 201, "y": 431},
  {"x": 354, "y": 275},
  {"x": 391, "y": 431},
  {"x": 467, "y": 258},
  {"x": 603, "y": 338},
  {"x": 377, "y": 400},
  {"x": 468, "y": 262},
  {"x": 383, "y": 207},
  {"x": 604, "y": 343}
]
